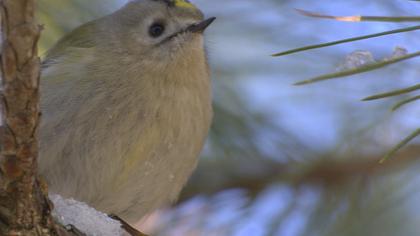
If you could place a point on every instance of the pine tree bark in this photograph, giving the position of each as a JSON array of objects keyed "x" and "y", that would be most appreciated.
[{"x": 24, "y": 205}]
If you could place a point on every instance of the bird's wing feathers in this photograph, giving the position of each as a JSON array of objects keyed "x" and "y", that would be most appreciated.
[{"x": 82, "y": 37}]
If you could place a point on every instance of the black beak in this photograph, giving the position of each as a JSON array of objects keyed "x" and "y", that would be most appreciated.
[{"x": 201, "y": 26}]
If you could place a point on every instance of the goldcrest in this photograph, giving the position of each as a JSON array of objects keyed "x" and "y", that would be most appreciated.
[{"x": 126, "y": 107}]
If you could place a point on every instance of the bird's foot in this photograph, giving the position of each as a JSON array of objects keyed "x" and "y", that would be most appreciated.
[
  {"x": 127, "y": 227},
  {"x": 71, "y": 230}
]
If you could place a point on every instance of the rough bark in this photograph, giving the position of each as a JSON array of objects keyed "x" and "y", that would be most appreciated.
[
  {"x": 25, "y": 209},
  {"x": 24, "y": 206}
]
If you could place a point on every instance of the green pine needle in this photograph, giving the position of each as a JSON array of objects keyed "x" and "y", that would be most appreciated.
[
  {"x": 390, "y": 18},
  {"x": 358, "y": 18},
  {"x": 405, "y": 102},
  {"x": 393, "y": 93},
  {"x": 400, "y": 145},
  {"x": 358, "y": 70},
  {"x": 401, "y": 30}
]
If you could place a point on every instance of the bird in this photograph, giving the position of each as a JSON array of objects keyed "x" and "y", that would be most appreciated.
[{"x": 126, "y": 107}]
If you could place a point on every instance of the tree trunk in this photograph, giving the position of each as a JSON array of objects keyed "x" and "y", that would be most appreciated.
[{"x": 24, "y": 205}]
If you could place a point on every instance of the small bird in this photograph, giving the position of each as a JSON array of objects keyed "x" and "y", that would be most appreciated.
[{"x": 126, "y": 107}]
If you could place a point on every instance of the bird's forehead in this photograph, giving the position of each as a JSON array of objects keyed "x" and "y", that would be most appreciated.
[
  {"x": 179, "y": 3},
  {"x": 183, "y": 9},
  {"x": 179, "y": 8}
]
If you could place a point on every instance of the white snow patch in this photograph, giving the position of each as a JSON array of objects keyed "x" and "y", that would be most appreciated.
[
  {"x": 356, "y": 59},
  {"x": 84, "y": 218}
]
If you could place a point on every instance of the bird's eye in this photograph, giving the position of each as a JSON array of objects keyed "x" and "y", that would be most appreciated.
[{"x": 156, "y": 30}]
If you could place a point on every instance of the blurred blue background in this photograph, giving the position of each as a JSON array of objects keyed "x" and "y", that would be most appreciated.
[{"x": 286, "y": 160}]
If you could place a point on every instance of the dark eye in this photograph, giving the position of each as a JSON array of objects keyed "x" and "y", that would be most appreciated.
[{"x": 156, "y": 30}]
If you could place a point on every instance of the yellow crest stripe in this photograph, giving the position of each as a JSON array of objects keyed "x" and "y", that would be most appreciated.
[{"x": 183, "y": 3}]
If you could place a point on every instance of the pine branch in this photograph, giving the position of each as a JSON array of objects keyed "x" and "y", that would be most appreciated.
[{"x": 24, "y": 205}]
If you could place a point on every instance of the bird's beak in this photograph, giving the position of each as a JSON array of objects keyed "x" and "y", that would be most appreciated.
[{"x": 201, "y": 26}]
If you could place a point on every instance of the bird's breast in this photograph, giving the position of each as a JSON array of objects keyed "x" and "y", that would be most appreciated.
[{"x": 124, "y": 140}]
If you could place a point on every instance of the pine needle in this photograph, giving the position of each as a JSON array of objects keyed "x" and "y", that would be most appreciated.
[
  {"x": 396, "y": 31},
  {"x": 405, "y": 102},
  {"x": 393, "y": 93},
  {"x": 400, "y": 145},
  {"x": 361, "y": 18},
  {"x": 358, "y": 70}
]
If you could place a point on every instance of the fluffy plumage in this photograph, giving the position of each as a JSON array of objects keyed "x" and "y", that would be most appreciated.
[{"x": 125, "y": 115}]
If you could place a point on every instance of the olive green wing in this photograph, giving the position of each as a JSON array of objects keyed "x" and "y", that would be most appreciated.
[{"x": 83, "y": 37}]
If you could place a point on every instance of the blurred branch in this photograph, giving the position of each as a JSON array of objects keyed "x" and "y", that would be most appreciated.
[
  {"x": 327, "y": 172},
  {"x": 252, "y": 176}
]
